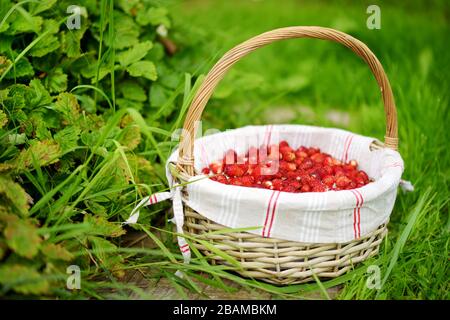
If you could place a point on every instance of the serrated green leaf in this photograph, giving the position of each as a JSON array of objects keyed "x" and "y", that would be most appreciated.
[
  {"x": 22, "y": 237},
  {"x": 68, "y": 138},
  {"x": 144, "y": 69},
  {"x": 41, "y": 6},
  {"x": 70, "y": 41},
  {"x": 127, "y": 103},
  {"x": 41, "y": 97},
  {"x": 133, "y": 91},
  {"x": 43, "y": 152},
  {"x": 22, "y": 68},
  {"x": 4, "y": 64},
  {"x": 3, "y": 119},
  {"x": 16, "y": 138},
  {"x": 67, "y": 105},
  {"x": 126, "y": 31},
  {"x": 158, "y": 95},
  {"x": 134, "y": 54},
  {"x": 102, "y": 249},
  {"x": 22, "y": 22},
  {"x": 56, "y": 81},
  {"x": 56, "y": 252},
  {"x": 102, "y": 227},
  {"x": 23, "y": 279},
  {"x": 131, "y": 137},
  {"x": 13, "y": 197},
  {"x": 153, "y": 16},
  {"x": 47, "y": 44}
]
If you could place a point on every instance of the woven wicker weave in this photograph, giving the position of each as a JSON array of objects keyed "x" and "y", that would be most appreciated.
[{"x": 273, "y": 260}]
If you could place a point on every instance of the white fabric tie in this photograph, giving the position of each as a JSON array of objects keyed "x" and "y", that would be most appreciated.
[{"x": 178, "y": 217}]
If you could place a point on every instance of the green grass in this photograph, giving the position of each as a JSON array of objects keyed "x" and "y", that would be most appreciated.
[{"x": 411, "y": 45}]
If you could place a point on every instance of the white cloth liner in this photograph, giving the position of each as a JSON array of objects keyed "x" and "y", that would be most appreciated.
[{"x": 326, "y": 217}]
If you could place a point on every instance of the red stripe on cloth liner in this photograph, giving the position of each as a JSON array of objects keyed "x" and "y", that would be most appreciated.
[
  {"x": 357, "y": 212},
  {"x": 267, "y": 214},
  {"x": 350, "y": 138},
  {"x": 185, "y": 248},
  {"x": 273, "y": 213}
]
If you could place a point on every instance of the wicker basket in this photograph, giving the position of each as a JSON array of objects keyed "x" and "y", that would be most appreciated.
[{"x": 273, "y": 260}]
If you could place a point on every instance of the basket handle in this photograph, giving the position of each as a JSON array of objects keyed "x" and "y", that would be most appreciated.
[{"x": 218, "y": 71}]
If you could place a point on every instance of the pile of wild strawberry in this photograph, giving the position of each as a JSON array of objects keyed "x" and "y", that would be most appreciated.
[{"x": 280, "y": 167}]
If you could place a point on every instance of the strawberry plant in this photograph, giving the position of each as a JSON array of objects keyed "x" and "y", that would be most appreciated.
[{"x": 70, "y": 135}]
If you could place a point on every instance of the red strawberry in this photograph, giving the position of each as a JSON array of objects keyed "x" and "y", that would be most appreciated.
[
  {"x": 307, "y": 164},
  {"x": 247, "y": 181},
  {"x": 220, "y": 178},
  {"x": 301, "y": 154},
  {"x": 342, "y": 181},
  {"x": 318, "y": 157},
  {"x": 283, "y": 143},
  {"x": 288, "y": 156},
  {"x": 312, "y": 151},
  {"x": 289, "y": 188},
  {"x": 267, "y": 184},
  {"x": 363, "y": 175},
  {"x": 277, "y": 184},
  {"x": 353, "y": 163},
  {"x": 205, "y": 170},
  {"x": 305, "y": 188},
  {"x": 295, "y": 184},
  {"x": 234, "y": 170},
  {"x": 317, "y": 186},
  {"x": 328, "y": 181},
  {"x": 216, "y": 167},
  {"x": 328, "y": 161},
  {"x": 287, "y": 166}
]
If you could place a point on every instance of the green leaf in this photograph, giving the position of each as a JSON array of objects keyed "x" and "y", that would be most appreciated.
[
  {"x": 3, "y": 119},
  {"x": 131, "y": 137},
  {"x": 16, "y": 139},
  {"x": 23, "y": 22},
  {"x": 70, "y": 41},
  {"x": 22, "y": 237},
  {"x": 126, "y": 31},
  {"x": 4, "y": 63},
  {"x": 23, "y": 279},
  {"x": 41, "y": 6},
  {"x": 127, "y": 103},
  {"x": 41, "y": 96},
  {"x": 47, "y": 44},
  {"x": 133, "y": 91},
  {"x": 134, "y": 54},
  {"x": 102, "y": 250},
  {"x": 13, "y": 197},
  {"x": 144, "y": 69},
  {"x": 103, "y": 227},
  {"x": 68, "y": 138},
  {"x": 56, "y": 252},
  {"x": 56, "y": 81},
  {"x": 22, "y": 68},
  {"x": 41, "y": 152},
  {"x": 67, "y": 105},
  {"x": 158, "y": 95},
  {"x": 153, "y": 16}
]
